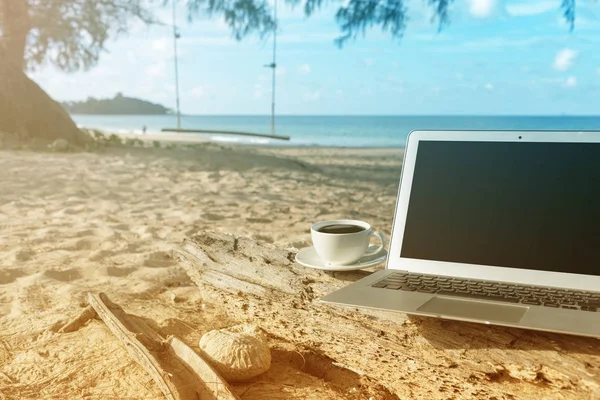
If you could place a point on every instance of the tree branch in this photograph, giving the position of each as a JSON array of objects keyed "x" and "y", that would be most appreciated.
[{"x": 568, "y": 7}]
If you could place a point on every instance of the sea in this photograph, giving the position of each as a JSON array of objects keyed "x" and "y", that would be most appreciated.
[{"x": 326, "y": 131}]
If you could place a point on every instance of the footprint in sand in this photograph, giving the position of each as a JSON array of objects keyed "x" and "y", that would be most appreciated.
[
  {"x": 24, "y": 255},
  {"x": 121, "y": 227},
  {"x": 259, "y": 220},
  {"x": 301, "y": 244},
  {"x": 160, "y": 259},
  {"x": 196, "y": 229},
  {"x": 74, "y": 210},
  {"x": 263, "y": 238},
  {"x": 10, "y": 275},
  {"x": 87, "y": 244},
  {"x": 118, "y": 272},
  {"x": 136, "y": 247},
  {"x": 213, "y": 217},
  {"x": 64, "y": 276},
  {"x": 101, "y": 255}
]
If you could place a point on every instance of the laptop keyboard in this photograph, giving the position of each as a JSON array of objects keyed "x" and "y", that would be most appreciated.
[{"x": 494, "y": 291}]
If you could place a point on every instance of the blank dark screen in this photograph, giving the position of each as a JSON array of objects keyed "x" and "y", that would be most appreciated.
[{"x": 521, "y": 205}]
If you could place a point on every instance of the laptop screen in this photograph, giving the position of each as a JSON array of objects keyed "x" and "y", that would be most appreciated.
[{"x": 509, "y": 204}]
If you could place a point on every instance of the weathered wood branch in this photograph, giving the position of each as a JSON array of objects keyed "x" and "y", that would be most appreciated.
[
  {"x": 87, "y": 314},
  {"x": 179, "y": 372},
  {"x": 136, "y": 340},
  {"x": 215, "y": 386},
  {"x": 413, "y": 357}
]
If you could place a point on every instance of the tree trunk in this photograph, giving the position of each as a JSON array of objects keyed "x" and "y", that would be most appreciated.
[
  {"x": 14, "y": 21},
  {"x": 26, "y": 110}
]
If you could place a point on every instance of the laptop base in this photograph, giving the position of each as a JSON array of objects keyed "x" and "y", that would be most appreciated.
[{"x": 362, "y": 294}]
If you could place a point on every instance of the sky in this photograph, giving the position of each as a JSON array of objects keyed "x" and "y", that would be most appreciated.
[{"x": 495, "y": 58}]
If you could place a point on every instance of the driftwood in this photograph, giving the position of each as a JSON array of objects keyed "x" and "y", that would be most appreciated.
[
  {"x": 179, "y": 372},
  {"x": 87, "y": 314},
  {"x": 214, "y": 383},
  {"x": 412, "y": 357},
  {"x": 137, "y": 341}
]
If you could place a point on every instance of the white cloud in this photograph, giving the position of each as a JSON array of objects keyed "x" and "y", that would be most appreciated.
[
  {"x": 198, "y": 92},
  {"x": 482, "y": 8},
  {"x": 194, "y": 42},
  {"x": 552, "y": 81},
  {"x": 489, "y": 86},
  {"x": 598, "y": 71},
  {"x": 131, "y": 57},
  {"x": 430, "y": 37},
  {"x": 369, "y": 62},
  {"x": 571, "y": 81},
  {"x": 495, "y": 42},
  {"x": 156, "y": 70},
  {"x": 499, "y": 41},
  {"x": 312, "y": 95},
  {"x": 169, "y": 87},
  {"x": 531, "y": 8},
  {"x": 564, "y": 59},
  {"x": 160, "y": 45},
  {"x": 304, "y": 69},
  {"x": 103, "y": 71},
  {"x": 460, "y": 76},
  {"x": 525, "y": 68},
  {"x": 259, "y": 87},
  {"x": 280, "y": 71},
  {"x": 307, "y": 38},
  {"x": 218, "y": 25}
]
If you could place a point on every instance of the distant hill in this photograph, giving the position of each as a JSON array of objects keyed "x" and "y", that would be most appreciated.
[{"x": 118, "y": 105}]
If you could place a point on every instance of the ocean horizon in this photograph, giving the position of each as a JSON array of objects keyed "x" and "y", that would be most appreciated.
[{"x": 331, "y": 130}]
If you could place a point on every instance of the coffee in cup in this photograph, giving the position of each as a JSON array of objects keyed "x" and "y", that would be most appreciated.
[{"x": 344, "y": 241}]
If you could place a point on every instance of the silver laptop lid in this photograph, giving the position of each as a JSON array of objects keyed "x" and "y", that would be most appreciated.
[{"x": 520, "y": 207}]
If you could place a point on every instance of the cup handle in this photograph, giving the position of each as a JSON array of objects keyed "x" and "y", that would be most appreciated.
[{"x": 381, "y": 237}]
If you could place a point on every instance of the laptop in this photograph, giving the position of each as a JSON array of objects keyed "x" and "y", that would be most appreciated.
[{"x": 494, "y": 227}]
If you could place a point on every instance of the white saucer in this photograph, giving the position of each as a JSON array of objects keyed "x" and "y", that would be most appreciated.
[{"x": 309, "y": 258}]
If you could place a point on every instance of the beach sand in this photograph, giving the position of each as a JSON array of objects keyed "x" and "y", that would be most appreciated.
[{"x": 107, "y": 222}]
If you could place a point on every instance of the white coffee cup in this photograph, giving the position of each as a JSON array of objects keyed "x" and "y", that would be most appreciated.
[{"x": 344, "y": 248}]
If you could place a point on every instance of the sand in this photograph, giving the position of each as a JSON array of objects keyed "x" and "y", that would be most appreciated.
[{"x": 79, "y": 222}]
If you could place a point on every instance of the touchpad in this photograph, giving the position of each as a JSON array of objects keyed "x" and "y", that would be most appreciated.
[{"x": 473, "y": 309}]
